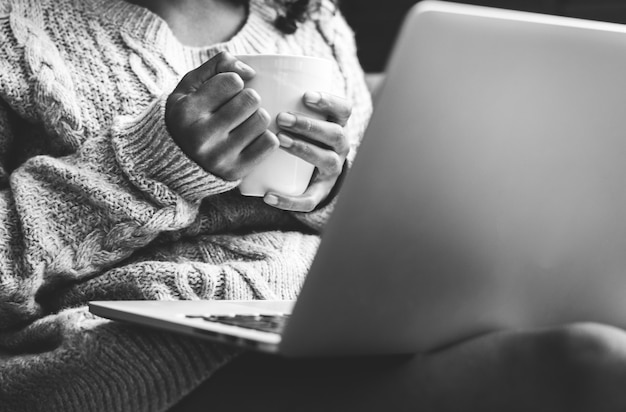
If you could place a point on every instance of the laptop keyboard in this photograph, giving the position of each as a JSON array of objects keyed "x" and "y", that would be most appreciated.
[{"x": 265, "y": 323}]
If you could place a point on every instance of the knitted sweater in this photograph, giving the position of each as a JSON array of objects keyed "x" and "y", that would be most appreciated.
[{"x": 98, "y": 202}]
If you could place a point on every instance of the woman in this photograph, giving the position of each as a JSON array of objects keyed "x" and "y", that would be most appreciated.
[{"x": 125, "y": 129}]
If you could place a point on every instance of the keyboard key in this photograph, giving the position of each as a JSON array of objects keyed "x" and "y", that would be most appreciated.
[{"x": 266, "y": 323}]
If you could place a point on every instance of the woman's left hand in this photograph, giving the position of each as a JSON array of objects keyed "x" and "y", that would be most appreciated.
[{"x": 322, "y": 143}]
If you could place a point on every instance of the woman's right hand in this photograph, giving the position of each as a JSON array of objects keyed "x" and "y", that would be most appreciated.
[{"x": 217, "y": 122}]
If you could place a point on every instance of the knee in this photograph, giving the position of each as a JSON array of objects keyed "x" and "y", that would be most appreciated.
[
  {"x": 578, "y": 345},
  {"x": 587, "y": 363}
]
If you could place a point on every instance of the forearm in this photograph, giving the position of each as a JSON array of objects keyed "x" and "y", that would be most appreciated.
[{"x": 65, "y": 219}]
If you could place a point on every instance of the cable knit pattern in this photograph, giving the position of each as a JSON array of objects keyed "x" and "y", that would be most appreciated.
[
  {"x": 98, "y": 202},
  {"x": 52, "y": 83}
]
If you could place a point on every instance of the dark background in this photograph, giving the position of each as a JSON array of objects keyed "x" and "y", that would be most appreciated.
[{"x": 376, "y": 22}]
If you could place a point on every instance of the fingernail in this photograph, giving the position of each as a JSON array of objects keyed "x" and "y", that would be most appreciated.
[
  {"x": 285, "y": 141},
  {"x": 286, "y": 119},
  {"x": 312, "y": 97},
  {"x": 244, "y": 67},
  {"x": 271, "y": 200}
]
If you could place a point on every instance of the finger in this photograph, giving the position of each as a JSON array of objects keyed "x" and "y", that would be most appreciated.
[
  {"x": 259, "y": 149},
  {"x": 212, "y": 95},
  {"x": 336, "y": 109},
  {"x": 305, "y": 202},
  {"x": 254, "y": 126},
  {"x": 221, "y": 63},
  {"x": 328, "y": 163},
  {"x": 328, "y": 134},
  {"x": 229, "y": 164},
  {"x": 236, "y": 110},
  {"x": 226, "y": 135},
  {"x": 210, "y": 141}
]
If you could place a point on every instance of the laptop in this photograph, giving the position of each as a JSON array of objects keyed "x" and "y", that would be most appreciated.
[{"x": 489, "y": 193}]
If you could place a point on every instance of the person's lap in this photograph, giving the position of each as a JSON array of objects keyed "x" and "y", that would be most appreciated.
[{"x": 574, "y": 368}]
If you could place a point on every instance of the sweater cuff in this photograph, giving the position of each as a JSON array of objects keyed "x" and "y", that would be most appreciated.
[{"x": 149, "y": 156}]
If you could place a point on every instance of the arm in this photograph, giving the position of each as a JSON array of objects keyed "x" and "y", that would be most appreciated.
[
  {"x": 64, "y": 219},
  {"x": 69, "y": 218}
]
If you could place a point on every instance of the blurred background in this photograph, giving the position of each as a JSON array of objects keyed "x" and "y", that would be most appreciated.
[{"x": 376, "y": 22}]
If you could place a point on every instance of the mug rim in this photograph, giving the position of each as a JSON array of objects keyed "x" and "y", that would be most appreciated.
[{"x": 282, "y": 56}]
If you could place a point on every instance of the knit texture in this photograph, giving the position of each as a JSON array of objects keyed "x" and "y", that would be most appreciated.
[{"x": 98, "y": 202}]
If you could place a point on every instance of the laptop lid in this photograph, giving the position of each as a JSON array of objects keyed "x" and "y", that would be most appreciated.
[{"x": 489, "y": 190}]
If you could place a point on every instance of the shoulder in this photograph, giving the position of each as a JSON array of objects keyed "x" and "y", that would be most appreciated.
[
  {"x": 35, "y": 80},
  {"x": 333, "y": 25},
  {"x": 15, "y": 28},
  {"x": 29, "y": 10},
  {"x": 328, "y": 13}
]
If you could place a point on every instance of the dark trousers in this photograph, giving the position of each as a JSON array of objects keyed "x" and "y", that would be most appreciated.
[{"x": 255, "y": 382}]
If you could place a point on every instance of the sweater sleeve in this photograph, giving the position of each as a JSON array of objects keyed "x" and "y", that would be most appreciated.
[
  {"x": 68, "y": 218},
  {"x": 339, "y": 35},
  {"x": 150, "y": 158}
]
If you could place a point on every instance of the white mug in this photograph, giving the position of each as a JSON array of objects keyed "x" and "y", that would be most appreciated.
[{"x": 281, "y": 81}]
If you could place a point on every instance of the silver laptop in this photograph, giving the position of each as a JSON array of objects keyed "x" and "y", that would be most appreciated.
[{"x": 489, "y": 193}]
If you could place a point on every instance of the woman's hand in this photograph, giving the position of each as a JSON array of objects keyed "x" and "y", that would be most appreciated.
[
  {"x": 319, "y": 142},
  {"x": 217, "y": 122}
]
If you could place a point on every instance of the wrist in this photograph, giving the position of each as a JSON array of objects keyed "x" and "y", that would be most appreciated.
[{"x": 154, "y": 162}]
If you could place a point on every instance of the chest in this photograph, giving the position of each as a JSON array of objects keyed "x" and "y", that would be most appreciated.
[{"x": 200, "y": 23}]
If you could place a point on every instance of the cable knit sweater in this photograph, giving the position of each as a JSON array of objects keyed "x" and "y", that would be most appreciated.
[{"x": 98, "y": 202}]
